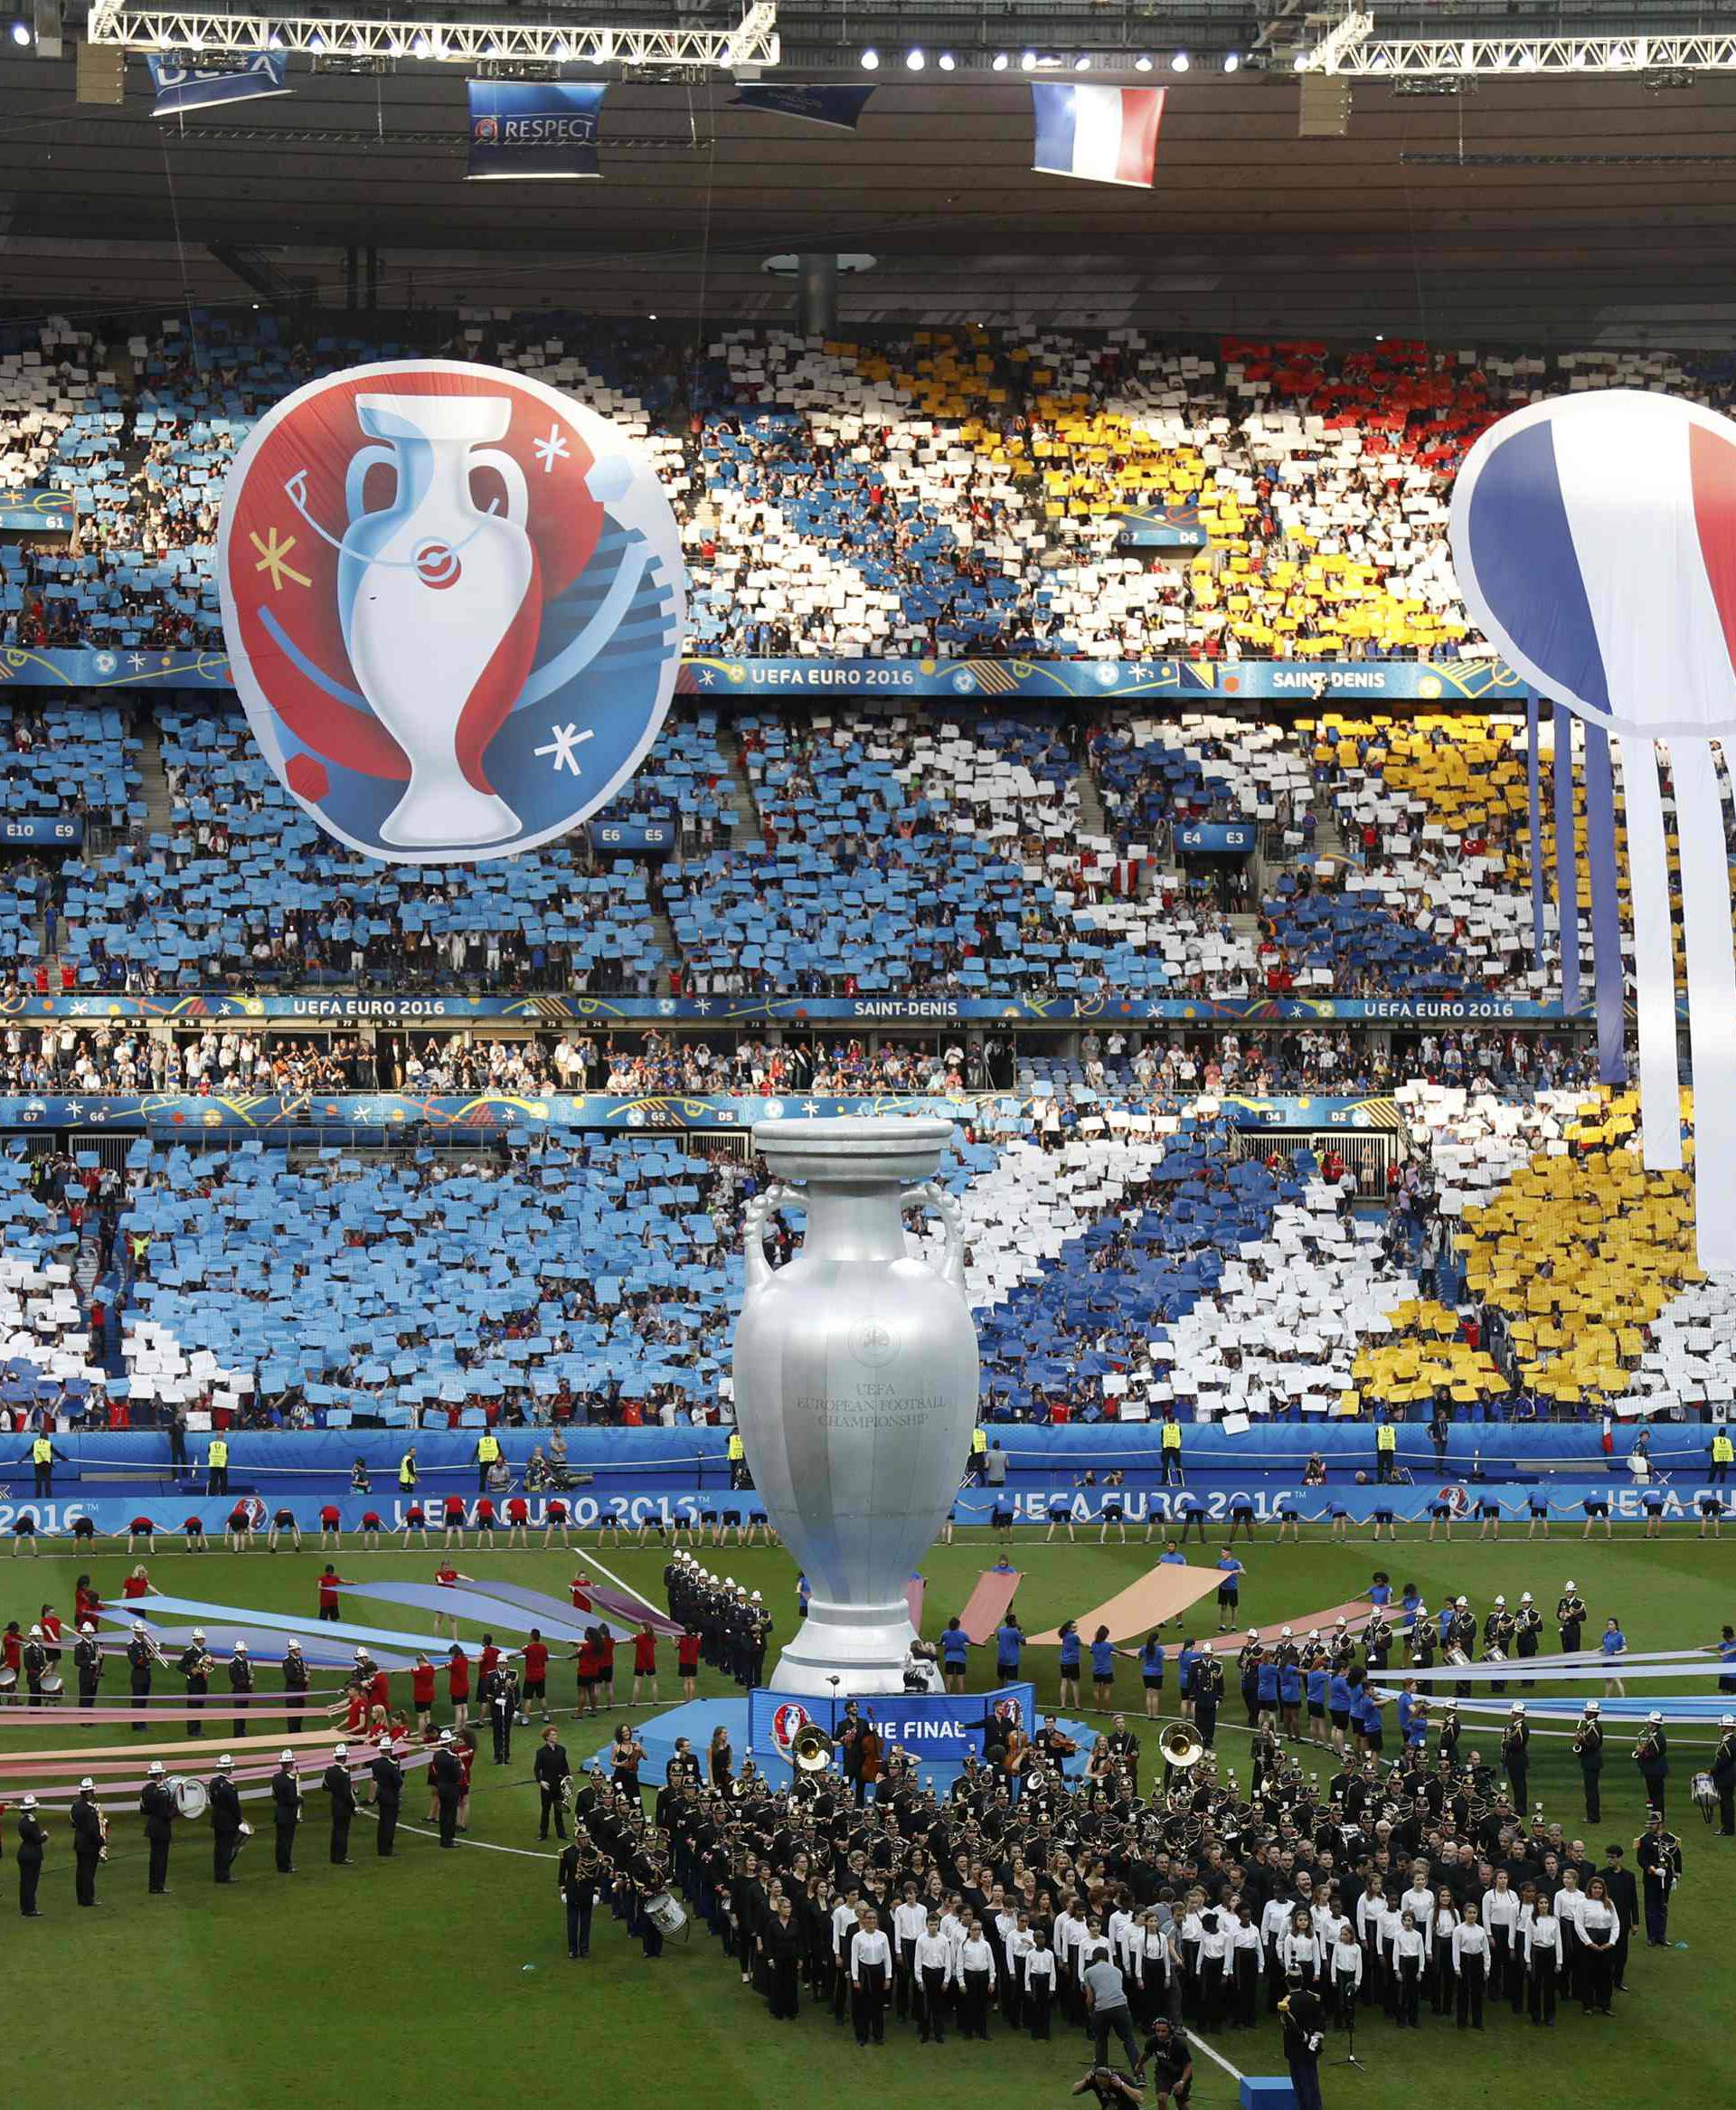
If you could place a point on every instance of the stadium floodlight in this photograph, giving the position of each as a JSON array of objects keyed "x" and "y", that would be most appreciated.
[
  {"x": 915, "y": 57},
  {"x": 754, "y": 41},
  {"x": 1424, "y": 58},
  {"x": 871, "y": 61},
  {"x": 1343, "y": 38}
]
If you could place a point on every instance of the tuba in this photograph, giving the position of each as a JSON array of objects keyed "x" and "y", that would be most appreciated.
[
  {"x": 811, "y": 1749},
  {"x": 1180, "y": 1747}
]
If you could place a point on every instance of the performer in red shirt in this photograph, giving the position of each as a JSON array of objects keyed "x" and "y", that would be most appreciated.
[
  {"x": 138, "y": 1583},
  {"x": 355, "y": 1707},
  {"x": 536, "y": 1674},
  {"x": 448, "y": 1578},
  {"x": 86, "y": 1603},
  {"x": 239, "y": 1528},
  {"x": 379, "y": 1685},
  {"x": 484, "y": 1519},
  {"x": 580, "y": 1586},
  {"x": 330, "y": 1584},
  {"x": 284, "y": 1521},
  {"x": 518, "y": 1519},
  {"x": 193, "y": 1528},
  {"x": 554, "y": 1519},
  {"x": 421, "y": 1692},
  {"x": 457, "y": 1685},
  {"x": 644, "y": 1662},
  {"x": 12, "y": 1644},
  {"x": 453, "y": 1509},
  {"x": 585, "y": 1657},
  {"x": 605, "y": 1665},
  {"x": 488, "y": 1661},
  {"x": 687, "y": 1664},
  {"x": 330, "y": 1518},
  {"x": 370, "y": 1530}
]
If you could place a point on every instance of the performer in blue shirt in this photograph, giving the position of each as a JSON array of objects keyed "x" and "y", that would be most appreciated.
[
  {"x": 1102, "y": 1666},
  {"x": 1069, "y": 1665},
  {"x": 1614, "y": 1645},
  {"x": 1009, "y": 1641},
  {"x": 1231, "y": 1572},
  {"x": 1380, "y": 1591},
  {"x": 955, "y": 1655},
  {"x": 1151, "y": 1675}
]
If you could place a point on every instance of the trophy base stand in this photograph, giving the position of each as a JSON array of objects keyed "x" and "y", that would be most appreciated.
[
  {"x": 846, "y": 1652},
  {"x": 448, "y": 814}
]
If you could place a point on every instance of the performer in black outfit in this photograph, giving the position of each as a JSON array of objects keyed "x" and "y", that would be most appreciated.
[
  {"x": 88, "y": 1842},
  {"x": 577, "y": 1882},
  {"x": 225, "y": 1807},
  {"x": 1588, "y": 1748},
  {"x": 341, "y": 1788},
  {"x": 1723, "y": 1776},
  {"x": 87, "y": 1660},
  {"x": 240, "y": 1682},
  {"x": 1516, "y": 1755},
  {"x": 139, "y": 1658},
  {"x": 31, "y": 1839},
  {"x": 1570, "y": 1618},
  {"x": 286, "y": 1811},
  {"x": 295, "y": 1682},
  {"x": 388, "y": 1799},
  {"x": 550, "y": 1769},
  {"x": 501, "y": 1699},
  {"x": 448, "y": 1787},
  {"x": 157, "y": 1806}
]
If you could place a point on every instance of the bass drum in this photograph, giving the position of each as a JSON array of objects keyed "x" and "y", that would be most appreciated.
[{"x": 190, "y": 1797}]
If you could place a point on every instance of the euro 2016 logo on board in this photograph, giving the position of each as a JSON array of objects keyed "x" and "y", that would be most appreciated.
[{"x": 453, "y": 601}]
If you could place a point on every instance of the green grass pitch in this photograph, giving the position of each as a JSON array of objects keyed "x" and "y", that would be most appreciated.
[{"x": 436, "y": 1974}]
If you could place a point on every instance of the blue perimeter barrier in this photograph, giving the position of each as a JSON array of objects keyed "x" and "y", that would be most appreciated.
[{"x": 631, "y": 1500}]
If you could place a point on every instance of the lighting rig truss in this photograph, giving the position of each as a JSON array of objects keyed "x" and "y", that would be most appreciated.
[{"x": 752, "y": 43}]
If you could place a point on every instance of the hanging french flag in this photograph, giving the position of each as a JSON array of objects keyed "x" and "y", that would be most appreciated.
[{"x": 1106, "y": 134}]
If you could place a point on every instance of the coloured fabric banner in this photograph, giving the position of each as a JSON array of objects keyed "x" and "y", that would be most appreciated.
[
  {"x": 1305, "y": 683},
  {"x": 388, "y": 1113},
  {"x": 571, "y": 1008},
  {"x": 839, "y": 107},
  {"x": 184, "y": 83},
  {"x": 540, "y": 129}
]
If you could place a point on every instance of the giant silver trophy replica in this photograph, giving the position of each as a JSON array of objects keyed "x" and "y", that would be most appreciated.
[{"x": 855, "y": 1385}]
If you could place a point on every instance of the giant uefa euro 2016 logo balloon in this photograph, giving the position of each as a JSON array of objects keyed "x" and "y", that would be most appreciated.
[{"x": 453, "y": 601}]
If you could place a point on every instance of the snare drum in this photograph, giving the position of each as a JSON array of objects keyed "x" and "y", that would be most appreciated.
[
  {"x": 666, "y": 1914},
  {"x": 54, "y": 1685},
  {"x": 8, "y": 1680}
]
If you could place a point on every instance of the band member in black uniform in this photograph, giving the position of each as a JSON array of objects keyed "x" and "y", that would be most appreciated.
[
  {"x": 196, "y": 1667},
  {"x": 501, "y": 1699},
  {"x": 551, "y": 1768},
  {"x": 240, "y": 1681},
  {"x": 87, "y": 1660},
  {"x": 226, "y": 1806},
  {"x": 1723, "y": 1776},
  {"x": 447, "y": 1772},
  {"x": 157, "y": 1806},
  {"x": 1497, "y": 1640},
  {"x": 1516, "y": 1755},
  {"x": 88, "y": 1840},
  {"x": 1624, "y": 1894},
  {"x": 35, "y": 1665},
  {"x": 295, "y": 1682},
  {"x": 1248, "y": 1675},
  {"x": 1652, "y": 1755},
  {"x": 1659, "y": 1855},
  {"x": 139, "y": 1658},
  {"x": 286, "y": 1811},
  {"x": 31, "y": 1839},
  {"x": 341, "y": 1788},
  {"x": 1588, "y": 1748},
  {"x": 576, "y": 1880},
  {"x": 1208, "y": 1690},
  {"x": 644, "y": 1873},
  {"x": 1462, "y": 1635},
  {"x": 1569, "y": 1617},
  {"x": 388, "y": 1799},
  {"x": 1527, "y": 1624}
]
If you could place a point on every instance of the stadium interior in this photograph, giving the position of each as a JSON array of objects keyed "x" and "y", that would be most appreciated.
[{"x": 1081, "y": 728}]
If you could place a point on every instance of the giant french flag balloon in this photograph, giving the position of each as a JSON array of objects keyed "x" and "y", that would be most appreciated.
[{"x": 1595, "y": 541}]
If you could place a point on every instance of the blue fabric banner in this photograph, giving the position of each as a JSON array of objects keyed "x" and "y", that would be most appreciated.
[
  {"x": 545, "y": 130},
  {"x": 1610, "y": 982},
  {"x": 184, "y": 82},
  {"x": 839, "y": 107},
  {"x": 1567, "y": 858}
]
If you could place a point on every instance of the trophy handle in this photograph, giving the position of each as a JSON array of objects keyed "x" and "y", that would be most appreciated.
[
  {"x": 753, "y": 1226},
  {"x": 949, "y": 1210},
  {"x": 518, "y": 498},
  {"x": 356, "y": 476}
]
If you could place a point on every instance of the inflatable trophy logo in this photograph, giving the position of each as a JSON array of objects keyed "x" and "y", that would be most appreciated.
[
  {"x": 453, "y": 601},
  {"x": 855, "y": 1385}
]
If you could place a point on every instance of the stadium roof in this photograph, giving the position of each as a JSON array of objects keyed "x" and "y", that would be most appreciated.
[{"x": 1544, "y": 210}]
